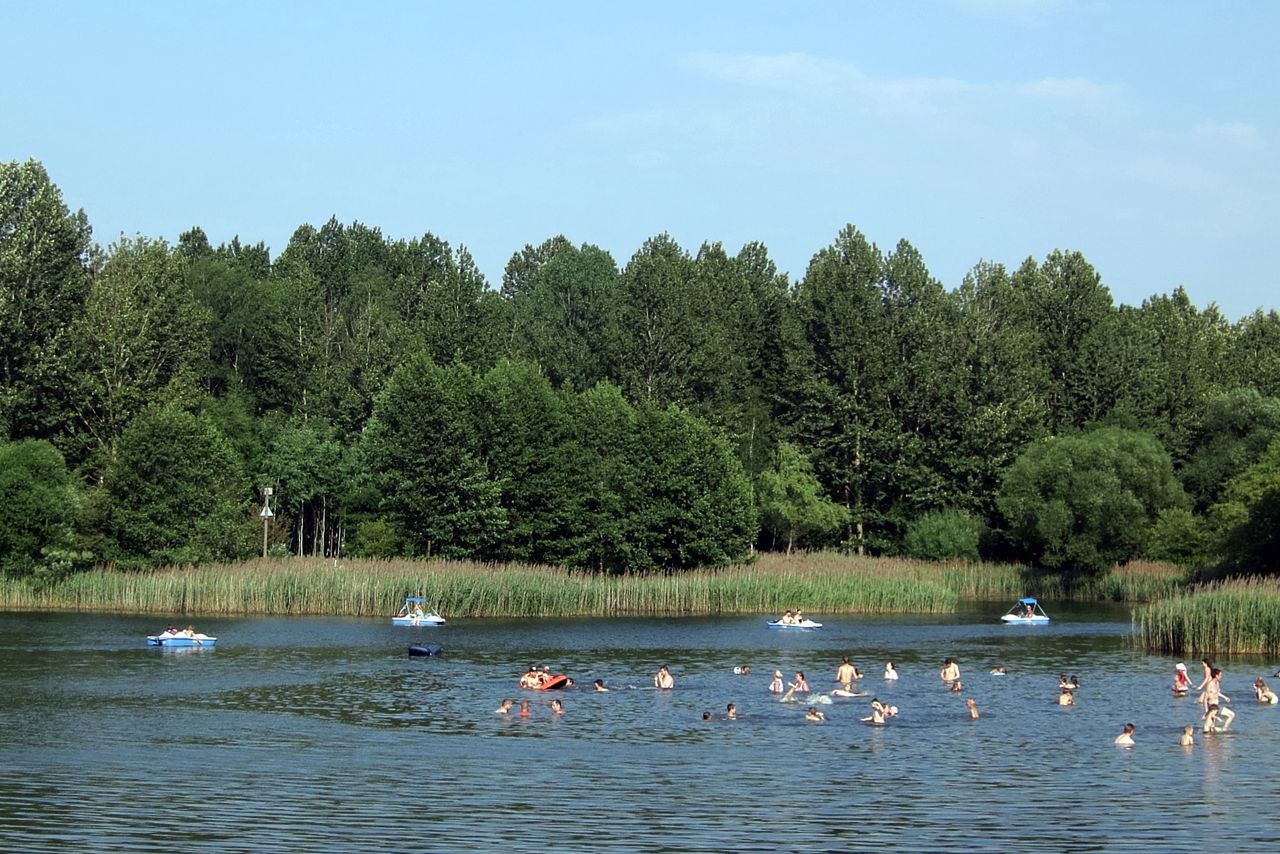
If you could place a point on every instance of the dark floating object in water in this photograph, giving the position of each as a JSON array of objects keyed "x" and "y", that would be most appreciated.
[{"x": 424, "y": 649}]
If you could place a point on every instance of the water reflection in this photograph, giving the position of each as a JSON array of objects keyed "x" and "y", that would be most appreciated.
[{"x": 309, "y": 734}]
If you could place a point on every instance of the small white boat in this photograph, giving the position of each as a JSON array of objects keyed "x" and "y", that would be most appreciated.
[
  {"x": 414, "y": 614},
  {"x": 1028, "y": 611},
  {"x": 173, "y": 638},
  {"x": 803, "y": 624}
]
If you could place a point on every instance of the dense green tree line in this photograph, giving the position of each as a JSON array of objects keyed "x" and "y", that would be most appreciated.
[{"x": 676, "y": 410}]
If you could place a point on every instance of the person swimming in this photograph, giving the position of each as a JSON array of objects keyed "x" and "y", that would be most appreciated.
[
  {"x": 731, "y": 711},
  {"x": 504, "y": 707},
  {"x": 812, "y": 714},
  {"x": 972, "y": 705},
  {"x": 599, "y": 685},
  {"x": 1066, "y": 698},
  {"x": 525, "y": 711},
  {"x": 557, "y": 707},
  {"x": 776, "y": 687},
  {"x": 890, "y": 671},
  {"x": 1187, "y": 739},
  {"x": 1125, "y": 738}
]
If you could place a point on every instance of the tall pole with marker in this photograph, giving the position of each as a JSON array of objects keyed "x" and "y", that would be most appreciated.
[{"x": 266, "y": 515}]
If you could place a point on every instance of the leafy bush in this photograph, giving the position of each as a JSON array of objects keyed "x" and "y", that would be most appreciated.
[{"x": 944, "y": 535}]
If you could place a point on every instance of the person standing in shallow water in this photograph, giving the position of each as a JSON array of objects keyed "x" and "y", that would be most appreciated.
[
  {"x": 1125, "y": 738},
  {"x": 950, "y": 671},
  {"x": 663, "y": 679}
]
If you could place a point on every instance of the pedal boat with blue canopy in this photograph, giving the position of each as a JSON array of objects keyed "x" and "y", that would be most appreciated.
[
  {"x": 415, "y": 614},
  {"x": 1026, "y": 611}
]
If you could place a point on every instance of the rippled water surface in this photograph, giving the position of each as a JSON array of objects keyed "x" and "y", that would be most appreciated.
[{"x": 321, "y": 734}]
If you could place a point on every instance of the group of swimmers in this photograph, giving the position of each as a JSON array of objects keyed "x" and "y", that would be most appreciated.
[{"x": 1216, "y": 717}]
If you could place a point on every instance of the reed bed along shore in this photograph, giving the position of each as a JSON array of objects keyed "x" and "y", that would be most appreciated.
[
  {"x": 1223, "y": 617},
  {"x": 821, "y": 583},
  {"x": 463, "y": 589}
]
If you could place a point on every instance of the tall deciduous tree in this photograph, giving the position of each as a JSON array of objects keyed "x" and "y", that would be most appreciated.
[
  {"x": 175, "y": 493},
  {"x": 39, "y": 505},
  {"x": 142, "y": 329},
  {"x": 429, "y": 462},
  {"x": 44, "y": 251},
  {"x": 792, "y": 504},
  {"x": 1083, "y": 502},
  {"x": 838, "y": 362}
]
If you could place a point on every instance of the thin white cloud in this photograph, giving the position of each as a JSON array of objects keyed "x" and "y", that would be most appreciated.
[{"x": 1240, "y": 135}]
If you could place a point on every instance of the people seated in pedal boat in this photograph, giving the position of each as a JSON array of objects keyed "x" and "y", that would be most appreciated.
[
  {"x": 532, "y": 678},
  {"x": 788, "y": 619},
  {"x": 1263, "y": 693}
]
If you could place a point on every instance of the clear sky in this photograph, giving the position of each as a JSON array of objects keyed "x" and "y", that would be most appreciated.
[{"x": 1143, "y": 134}]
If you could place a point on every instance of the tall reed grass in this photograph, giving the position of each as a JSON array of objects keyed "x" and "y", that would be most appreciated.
[
  {"x": 819, "y": 583},
  {"x": 462, "y": 589},
  {"x": 1235, "y": 616}
]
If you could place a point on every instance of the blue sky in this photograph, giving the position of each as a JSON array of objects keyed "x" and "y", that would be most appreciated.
[{"x": 1144, "y": 135}]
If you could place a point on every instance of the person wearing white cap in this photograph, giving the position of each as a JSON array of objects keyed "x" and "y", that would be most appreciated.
[{"x": 1181, "y": 683}]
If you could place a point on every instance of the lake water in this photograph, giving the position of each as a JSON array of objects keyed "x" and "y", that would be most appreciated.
[{"x": 321, "y": 734}]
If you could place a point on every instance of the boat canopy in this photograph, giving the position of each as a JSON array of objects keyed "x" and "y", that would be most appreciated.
[
  {"x": 409, "y": 599},
  {"x": 1028, "y": 600}
]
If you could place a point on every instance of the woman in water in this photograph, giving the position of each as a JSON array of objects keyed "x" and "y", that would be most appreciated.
[
  {"x": 1208, "y": 673},
  {"x": 812, "y": 714},
  {"x": 731, "y": 712},
  {"x": 663, "y": 679},
  {"x": 890, "y": 672},
  {"x": 599, "y": 685},
  {"x": 775, "y": 687},
  {"x": 1066, "y": 698},
  {"x": 504, "y": 707},
  {"x": 557, "y": 707},
  {"x": 877, "y": 713},
  {"x": 950, "y": 671},
  {"x": 1125, "y": 739},
  {"x": 800, "y": 686}
]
